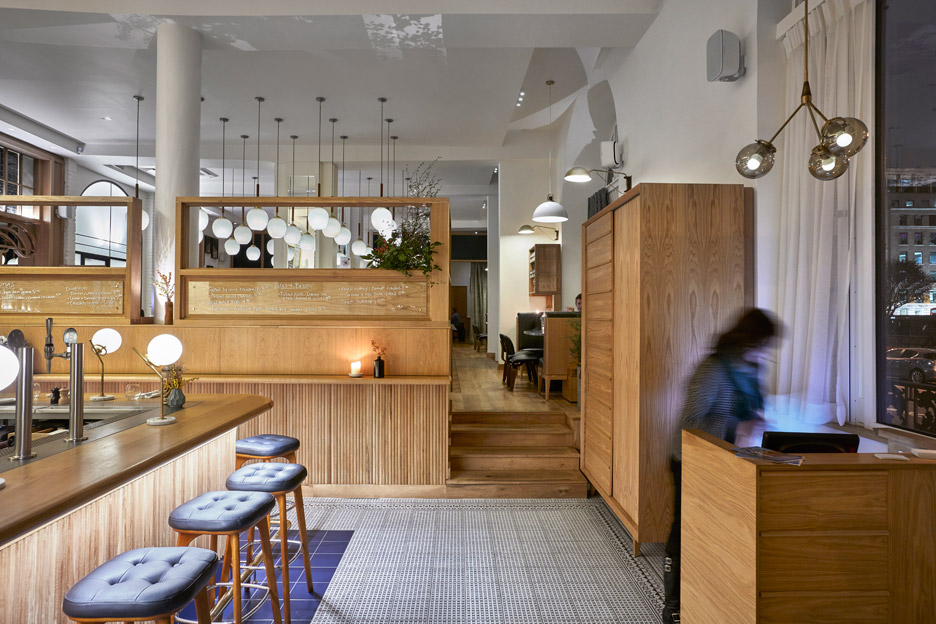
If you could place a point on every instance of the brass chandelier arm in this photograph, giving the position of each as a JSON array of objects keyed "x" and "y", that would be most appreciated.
[
  {"x": 98, "y": 350},
  {"x": 815, "y": 124},
  {"x": 786, "y": 123}
]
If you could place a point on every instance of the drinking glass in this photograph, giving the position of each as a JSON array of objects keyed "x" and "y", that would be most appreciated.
[
  {"x": 37, "y": 391},
  {"x": 132, "y": 391}
]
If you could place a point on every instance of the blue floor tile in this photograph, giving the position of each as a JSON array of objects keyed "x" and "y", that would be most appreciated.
[
  {"x": 331, "y": 548},
  {"x": 338, "y": 536}
]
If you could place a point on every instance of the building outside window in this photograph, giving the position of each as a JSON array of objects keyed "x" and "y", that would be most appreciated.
[
  {"x": 917, "y": 219},
  {"x": 903, "y": 238},
  {"x": 902, "y": 219},
  {"x": 918, "y": 257},
  {"x": 101, "y": 231},
  {"x": 902, "y": 257},
  {"x": 932, "y": 238},
  {"x": 932, "y": 259},
  {"x": 918, "y": 238},
  {"x": 908, "y": 203},
  {"x": 17, "y": 177}
]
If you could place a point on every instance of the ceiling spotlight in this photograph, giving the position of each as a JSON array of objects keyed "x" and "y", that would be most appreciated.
[{"x": 107, "y": 118}]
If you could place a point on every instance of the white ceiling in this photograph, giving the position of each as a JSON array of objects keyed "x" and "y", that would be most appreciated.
[{"x": 452, "y": 73}]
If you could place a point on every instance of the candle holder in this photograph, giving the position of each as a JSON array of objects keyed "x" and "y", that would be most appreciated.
[{"x": 355, "y": 369}]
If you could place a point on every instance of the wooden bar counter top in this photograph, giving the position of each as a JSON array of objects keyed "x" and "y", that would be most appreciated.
[{"x": 44, "y": 489}]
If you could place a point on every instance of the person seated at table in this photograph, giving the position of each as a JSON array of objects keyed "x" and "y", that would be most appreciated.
[
  {"x": 457, "y": 325},
  {"x": 578, "y": 304}
]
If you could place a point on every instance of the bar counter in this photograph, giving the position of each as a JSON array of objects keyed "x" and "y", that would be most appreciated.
[{"x": 65, "y": 514}]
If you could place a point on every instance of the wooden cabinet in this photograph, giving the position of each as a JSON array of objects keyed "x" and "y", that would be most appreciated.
[
  {"x": 665, "y": 268},
  {"x": 545, "y": 270}
]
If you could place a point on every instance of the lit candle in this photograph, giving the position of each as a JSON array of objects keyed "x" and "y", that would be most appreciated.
[{"x": 355, "y": 369}]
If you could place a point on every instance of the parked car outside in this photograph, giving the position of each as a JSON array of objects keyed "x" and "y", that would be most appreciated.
[{"x": 917, "y": 365}]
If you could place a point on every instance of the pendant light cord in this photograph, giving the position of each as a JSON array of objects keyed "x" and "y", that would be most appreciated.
[
  {"x": 333, "y": 121},
  {"x": 318, "y": 175},
  {"x": 138, "y": 98},
  {"x": 550, "y": 83},
  {"x": 224, "y": 121},
  {"x": 382, "y": 101},
  {"x": 260, "y": 101},
  {"x": 278, "y": 120}
]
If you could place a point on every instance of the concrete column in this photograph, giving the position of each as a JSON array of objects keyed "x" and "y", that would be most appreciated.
[{"x": 178, "y": 108}]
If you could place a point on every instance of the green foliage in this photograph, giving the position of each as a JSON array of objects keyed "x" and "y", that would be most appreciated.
[
  {"x": 575, "y": 340},
  {"x": 409, "y": 248}
]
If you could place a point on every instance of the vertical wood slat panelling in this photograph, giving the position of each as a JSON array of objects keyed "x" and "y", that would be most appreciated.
[{"x": 38, "y": 568}]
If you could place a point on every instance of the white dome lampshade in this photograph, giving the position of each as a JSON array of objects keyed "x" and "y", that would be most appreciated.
[
  {"x": 332, "y": 228},
  {"x": 380, "y": 218},
  {"x": 276, "y": 228},
  {"x": 388, "y": 228},
  {"x": 201, "y": 237},
  {"x": 292, "y": 235},
  {"x": 231, "y": 247},
  {"x": 144, "y": 220},
  {"x": 359, "y": 248},
  {"x": 318, "y": 218},
  {"x": 222, "y": 227},
  {"x": 526, "y": 229},
  {"x": 550, "y": 212},
  {"x": 243, "y": 234},
  {"x": 9, "y": 367},
  {"x": 107, "y": 339},
  {"x": 343, "y": 237},
  {"x": 257, "y": 219},
  {"x": 290, "y": 254},
  {"x": 270, "y": 247},
  {"x": 578, "y": 175},
  {"x": 202, "y": 219},
  {"x": 306, "y": 242},
  {"x": 164, "y": 350},
  {"x": 253, "y": 253}
]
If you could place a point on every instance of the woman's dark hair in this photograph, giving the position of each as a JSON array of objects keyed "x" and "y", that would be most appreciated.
[{"x": 754, "y": 329}]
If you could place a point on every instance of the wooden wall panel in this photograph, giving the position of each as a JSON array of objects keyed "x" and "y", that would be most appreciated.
[
  {"x": 912, "y": 566},
  {"x": 823, "y": 501},
  {"x": 38, "y": 568}
]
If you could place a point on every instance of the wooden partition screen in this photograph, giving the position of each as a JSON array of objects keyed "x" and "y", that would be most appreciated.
[{"x": 34, "y": 290}]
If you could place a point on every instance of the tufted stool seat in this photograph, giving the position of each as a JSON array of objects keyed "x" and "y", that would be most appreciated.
[
  {"x": 279, "y": 480},
  {"x": 229, "y": 514},
  {"x": 144, "y": 584},
  {"x": 265, "y": 447}
]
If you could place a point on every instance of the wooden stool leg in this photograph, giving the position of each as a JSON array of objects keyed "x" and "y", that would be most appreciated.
[
  {"x": 300, "y": 517},
  {"x": 284, "y": 555},
  {"x": 291, "y": 457},
  {"x": 265, "y": 546},
  {"x": 226, "y": 563},
  {"x": 546, "y": 382},
  {"x": 184, "y": 539},
  {"x": 202, "y": 607},
  {"x": 234, "y": 540},
  {"x": 213, "y": 546},
  {"x": 239, "y": 462}
]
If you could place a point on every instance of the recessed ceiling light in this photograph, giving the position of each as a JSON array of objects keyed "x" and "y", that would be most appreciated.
[
  {"x": 105, "y": 118},
  {"x": 518, "y": 103},
  {"x": 522, "y": 93}
]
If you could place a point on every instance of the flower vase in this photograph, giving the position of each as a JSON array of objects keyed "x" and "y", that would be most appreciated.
[
  {"x": 168, "y": 319},
  {"x": 175, "y": 398},
  {"x": 378, "y": 368}
]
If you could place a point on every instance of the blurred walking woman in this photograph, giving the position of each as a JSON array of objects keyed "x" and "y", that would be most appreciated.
[{"x": 723, "y": 392}]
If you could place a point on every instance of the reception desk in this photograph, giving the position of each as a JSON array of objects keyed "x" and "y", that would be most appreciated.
[{"x": 843, "y": 538}]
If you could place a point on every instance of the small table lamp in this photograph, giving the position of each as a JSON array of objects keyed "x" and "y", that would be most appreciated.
[
  {"x": 104, "y": 342},
  {"x": 163, "y": 350}
]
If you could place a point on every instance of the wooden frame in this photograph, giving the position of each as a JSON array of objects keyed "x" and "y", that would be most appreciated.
[
  {"x": 436, "y": 285},
  {"x": 129, "y": 276}
]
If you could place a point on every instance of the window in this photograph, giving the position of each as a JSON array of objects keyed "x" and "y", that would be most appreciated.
[
  {"x": 17, "y": 177},
  {"x": 917, "y": 219},
  {"x": 902, "y": 220},
  {"x": 101, "y": 231},
  {"x": 902, "y": 256},
  {"x": 903, "y": 238},
  {"x": 932, "y": 220},
  {"x": 932, "y": 257},
  {"x": 908, "y": 203},
  {"x": 918, "y": 257},
  {"x": 918, "y": 238},
  {"x": 925, "y": 203},
  {"x": 932, "y": 238}
]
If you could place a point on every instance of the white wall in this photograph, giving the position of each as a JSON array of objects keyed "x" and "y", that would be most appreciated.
[
  {"x": 493, "y": 259},
  {"x": 523, "y": 186}
]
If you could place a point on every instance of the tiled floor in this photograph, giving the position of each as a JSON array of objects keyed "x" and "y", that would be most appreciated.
[{"x": 524, "y": 561}]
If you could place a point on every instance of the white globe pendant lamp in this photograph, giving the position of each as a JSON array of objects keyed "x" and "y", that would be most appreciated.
[
  {"x": 343, "y": 237},
  {"x": 201, "y": 237},
  {"x": 202, "y": 217},
  {"x": 359, "y": 248},
  {"x": 253, "y": 253},
  {"x": 292, "y": 236},
  {"x": 243, "y": 234},
  {"x": 276, "y": 228},
  {"x": 319, "y": 219},
  {"x": 550, "y": 211},
  {"x": 380, "y": 218},
  {"x": 290, "y": 254},
  {"x": 257, "y": 219},
  {"x": 270, "y": 247},
  {"x": 222, "y": 227},
  {"x": 231, "y": 247},
  {"x": 306, "y": 242},
  {"x": 332, "y": 228}
]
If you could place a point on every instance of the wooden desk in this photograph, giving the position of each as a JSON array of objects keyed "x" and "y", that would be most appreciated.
[{"x": 843, "y": 538}]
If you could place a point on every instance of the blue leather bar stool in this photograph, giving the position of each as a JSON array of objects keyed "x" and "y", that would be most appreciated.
[
  {"x": 229, "y": 514},
  {"x": 144, "y": 584},
  {"x": 279, "y": 480},
  {"x": 265, "y": 447}
]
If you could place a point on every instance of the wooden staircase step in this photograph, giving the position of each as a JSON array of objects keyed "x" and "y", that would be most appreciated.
[
  {"x": 487, "y": 434},
  {"x": 514, "y": 458},
  {"x": 516, "y": 477},
  {"x": 507, "y": 418}
]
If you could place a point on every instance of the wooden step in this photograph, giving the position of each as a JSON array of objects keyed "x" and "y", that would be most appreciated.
[
  {"x": 509, "y": 418},
  {"x": 485, "y": 434},
  {"x": 516, "y": 477},
  {"x": 514, "y": 458}
]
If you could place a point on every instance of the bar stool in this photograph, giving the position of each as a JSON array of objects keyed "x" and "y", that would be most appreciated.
[
  {"x": 229, "y": 514},
  {"x": 265, "y": 447},
  {"x": 144, "y": 584},
  {"x": 279, "y": 480}
]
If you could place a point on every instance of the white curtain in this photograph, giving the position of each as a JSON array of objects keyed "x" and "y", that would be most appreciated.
[{"x": 825, "y": 283}]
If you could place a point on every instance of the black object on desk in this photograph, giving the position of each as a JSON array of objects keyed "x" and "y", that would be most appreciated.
[{"x": 801, "y": 442}]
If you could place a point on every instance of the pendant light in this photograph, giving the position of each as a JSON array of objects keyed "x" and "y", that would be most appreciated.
[
  {"x": 393, "y": 177},
  {"x": 343, "y": 236},
  {"x": 550, "y": 211},
  {"x": 389, "y": 179},
  {"x": 222, "y": 226},
  {"x": 358, "y": 246},
  {"x": 839, "y": 138},
  {"x": 276, "y": 227},
  {"x": 382, "y": 101},
  {"x": 242, "y": 233},
  {"x": 144, "y": 216},
  {"x": 293, "y": 234},
  {"x": 318, "y": 174},
  {"x": 257, "y": 217}
]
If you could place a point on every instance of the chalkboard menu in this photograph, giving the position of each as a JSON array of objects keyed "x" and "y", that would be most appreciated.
[
  {"x": 29, "y": 295},
  {"x": 308, "y": 298}
]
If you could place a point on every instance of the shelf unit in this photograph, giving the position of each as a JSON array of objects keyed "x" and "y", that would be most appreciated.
[{"x": 545, "y": 270}]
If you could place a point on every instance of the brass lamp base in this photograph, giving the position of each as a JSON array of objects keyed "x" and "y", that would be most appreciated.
[
  {"x": 157, "y": 421},
  {"x": 102, "y": 397}
]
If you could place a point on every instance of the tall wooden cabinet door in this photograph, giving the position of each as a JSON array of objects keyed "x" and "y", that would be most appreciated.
[
  {"x": 627, "y": 355},
  {"x": 597, "y": 353}
]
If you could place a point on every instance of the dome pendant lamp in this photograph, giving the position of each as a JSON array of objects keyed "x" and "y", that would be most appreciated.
[
  {"x": 292, "y": 234},
  {"x": 839, "y": 138},
  {"x": 276, "y": 227},
  {"x": 222, "y": 227},
  {"x": 257, "y": 217},
  {"x": 550, "y": 211}
]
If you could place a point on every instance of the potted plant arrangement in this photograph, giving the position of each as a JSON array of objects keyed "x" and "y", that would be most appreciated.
[
  {"x": 571, "y": 390},
  {"x": 173, "y": 384},
  {"x": 166, "y": 287},
  {"x": 378, "y": 363},
  {"x": 408, "y": 248}
]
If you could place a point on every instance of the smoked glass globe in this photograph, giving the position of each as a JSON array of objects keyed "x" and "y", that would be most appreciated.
[
  {"x": 824, "y": 165},
  {"x": 844, "y": 136},
  {"x": 756, "y": 160}
]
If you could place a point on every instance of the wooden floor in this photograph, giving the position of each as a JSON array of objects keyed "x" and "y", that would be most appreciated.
[{"x": 478, "y": 388}]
